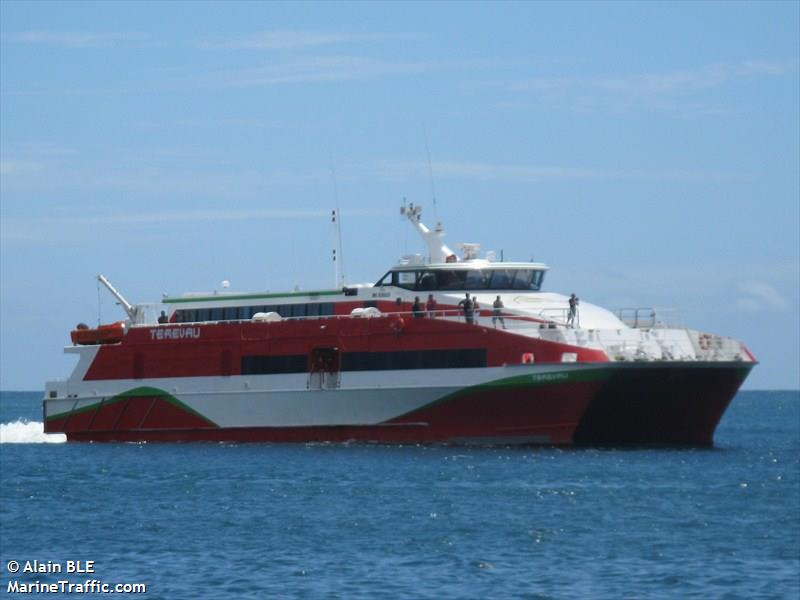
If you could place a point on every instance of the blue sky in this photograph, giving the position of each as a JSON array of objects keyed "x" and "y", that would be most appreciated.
[{"x": 648, "y": 152}]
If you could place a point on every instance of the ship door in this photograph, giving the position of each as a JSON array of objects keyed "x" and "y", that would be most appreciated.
[{"x": 324, "y": 369}]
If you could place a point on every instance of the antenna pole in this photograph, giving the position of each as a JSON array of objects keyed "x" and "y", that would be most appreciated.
[
  {"x": 430, "y": 174},
  {"x": 99, "y": 315},
  {"x": 338, "y": 258},
  {"x": 336, "y": 278}
]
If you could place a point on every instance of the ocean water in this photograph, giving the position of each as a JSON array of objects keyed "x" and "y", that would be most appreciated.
[{"x": 370, "y": 521}]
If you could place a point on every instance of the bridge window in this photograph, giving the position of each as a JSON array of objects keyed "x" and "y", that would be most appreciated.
[
  {"x": 407, "y": 280},
  {"x": 501, "y": 279},
  {"x": 522, "y": 280},
  {"x": 467, "y": 279},
  {"x": 451, "y": 280},
  {"x": 478, "y": 279},
  {"x": 427, "y": 281}
]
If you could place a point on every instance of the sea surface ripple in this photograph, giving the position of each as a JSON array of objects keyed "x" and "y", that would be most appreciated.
[{"x": 373, "y": 521}]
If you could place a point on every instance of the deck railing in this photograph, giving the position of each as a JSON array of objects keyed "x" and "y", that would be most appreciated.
[{"x": 649, "y": 318}]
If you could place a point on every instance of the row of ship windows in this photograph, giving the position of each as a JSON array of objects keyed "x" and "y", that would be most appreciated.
[
  {"x": 468, "y": 279},
  {"x": 236, "y": 313},
  {"x": 370, "y": 361}
]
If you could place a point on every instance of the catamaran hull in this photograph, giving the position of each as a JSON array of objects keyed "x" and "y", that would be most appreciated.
[
  {"x": 666, "y": 404},
  {"x": 562, "y": 404}
]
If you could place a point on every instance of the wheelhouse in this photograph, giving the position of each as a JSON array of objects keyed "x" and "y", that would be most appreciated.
[{"x": 451, "y": 278}]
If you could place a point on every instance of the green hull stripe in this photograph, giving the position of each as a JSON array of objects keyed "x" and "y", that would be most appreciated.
[
  {"x": 227, "y": 297},
  {"x": 139, "y": 392},
  {"x": 530, "y": 380},
  {"x": 535, "y": 380}
]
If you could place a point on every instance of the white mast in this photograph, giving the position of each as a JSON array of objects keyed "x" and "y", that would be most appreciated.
[{"x": 438, "y": 251}]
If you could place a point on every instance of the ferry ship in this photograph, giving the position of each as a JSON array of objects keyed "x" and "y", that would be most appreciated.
[{"x": 407, "y": 359}]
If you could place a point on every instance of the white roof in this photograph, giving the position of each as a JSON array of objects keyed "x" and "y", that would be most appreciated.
[{"x": 472, "y": 264}]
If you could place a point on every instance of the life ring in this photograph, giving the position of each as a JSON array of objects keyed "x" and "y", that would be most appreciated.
[
  {"x": 704, "y": 341},
  {"x": 397, "y": 325},
  {"x": 527, "y": 358}
]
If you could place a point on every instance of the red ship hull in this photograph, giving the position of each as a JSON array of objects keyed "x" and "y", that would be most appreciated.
[{"x": 668, "y": 404}]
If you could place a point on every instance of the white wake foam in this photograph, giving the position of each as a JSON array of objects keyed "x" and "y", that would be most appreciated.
[{"x": 28, "y": 432}]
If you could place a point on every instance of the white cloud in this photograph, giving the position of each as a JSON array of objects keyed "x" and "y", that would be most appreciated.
[
  {"x": 211, "y": 123},
  {"x": 656, "y": 83},
  {"x": 68, "y": 228},
  {"x": 295, "y": 39},
  {"x": 331, "y": 68},
  {"x": 481, "y": 171},
  {"x": 207, "y": 215},
  {"x": 756, "y": 296},
  {"x": 15, "y": 167},
  {"x": 38, "y": 149},
  {"x": 661, "y": 91},
  {"x": 72, "y": 39}
]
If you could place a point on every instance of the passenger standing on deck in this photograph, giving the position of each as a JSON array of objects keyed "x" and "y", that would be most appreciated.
[
  {"x": 430, "y": 306},
  {"x": 497, "y": 312},
  {"x": 163, "y": 318},
  {"x": 469, "y": 309},
  {"x": 416, "y": 308},
  {"x": 573, "y": 310}
]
